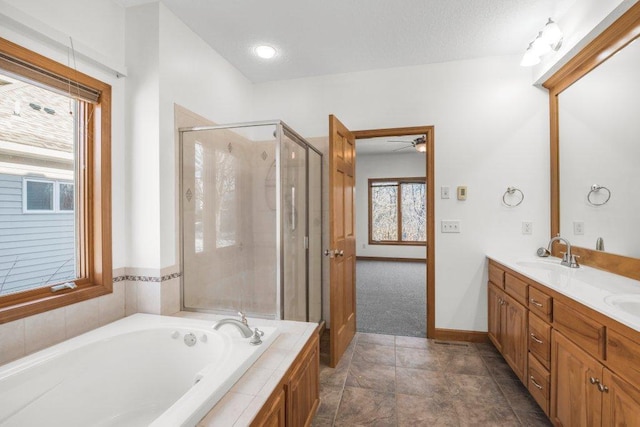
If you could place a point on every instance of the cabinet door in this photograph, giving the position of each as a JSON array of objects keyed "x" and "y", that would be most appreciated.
[
  {"x": 275, "y": 415},
  {"x": 514, "y": 337},
  {"x": 304, "y": 390},
  {"x": 620, "y": 402},
  {"x": 575, "y": 397},
  {"x": 495, "y": 298}
]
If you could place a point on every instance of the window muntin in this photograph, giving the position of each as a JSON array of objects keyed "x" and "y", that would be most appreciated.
[
  {"x": 86, "y": 195},
  {"x": 397, "y": 211}
]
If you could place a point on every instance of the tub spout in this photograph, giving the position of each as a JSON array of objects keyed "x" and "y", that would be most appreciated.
[{"x": 244, "y": 329}]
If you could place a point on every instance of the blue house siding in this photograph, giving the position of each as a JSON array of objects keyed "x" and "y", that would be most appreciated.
[{"x": 35, "y": 248}]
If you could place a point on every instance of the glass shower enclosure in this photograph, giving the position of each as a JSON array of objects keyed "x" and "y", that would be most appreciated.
[{"x": 251, "y": 221}]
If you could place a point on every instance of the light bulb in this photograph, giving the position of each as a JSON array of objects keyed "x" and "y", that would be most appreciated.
[
  {"x": 264, "y": 51},
  {"x": 529, "y": 58},
  {"x": 552, "y": 34},
  {"x": 540, "y": 46}
]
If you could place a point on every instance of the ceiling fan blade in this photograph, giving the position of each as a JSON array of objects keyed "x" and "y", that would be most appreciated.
[{"x": 402, "y": 148}]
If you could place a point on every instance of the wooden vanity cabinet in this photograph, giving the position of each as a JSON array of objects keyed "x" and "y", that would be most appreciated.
[
  {"x": 295, "y": 400},
  {"x": 582, "y": 367},
  {"x": 303, "y": 389},
  {"x": 508, "y": 328},
  {"x": 575, "y": 376}
]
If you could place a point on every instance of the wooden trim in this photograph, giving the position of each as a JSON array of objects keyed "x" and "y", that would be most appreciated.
[
  {"x": 94, "y": 210},
  {"x": 429, "y": 132},
  {"x": 622, "y": 32},
  {"x": 460, "y": 335},
  {"x": 390, "y": 259}
]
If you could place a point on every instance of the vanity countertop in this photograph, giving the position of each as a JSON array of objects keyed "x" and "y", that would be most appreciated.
[{"x": 615, "y": 296}]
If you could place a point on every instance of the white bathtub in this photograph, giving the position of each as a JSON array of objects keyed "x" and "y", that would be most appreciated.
[{"x": 137, "y": 371}]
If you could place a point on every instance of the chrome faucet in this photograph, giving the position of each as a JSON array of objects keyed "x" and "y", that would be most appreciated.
[
  {"x": 243, "y": 328},
  {"x": 568, "y": 259}
]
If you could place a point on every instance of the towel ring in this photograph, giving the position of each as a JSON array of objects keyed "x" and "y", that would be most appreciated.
[
  {"x": 595, "y": 188},
  {"x": 510, "y": 191}
]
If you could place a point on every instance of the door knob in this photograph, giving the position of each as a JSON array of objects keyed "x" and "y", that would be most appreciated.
[{"x": 333, "y": 253}]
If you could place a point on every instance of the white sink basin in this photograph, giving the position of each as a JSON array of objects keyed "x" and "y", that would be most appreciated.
[
  {"x": 629, "y": 303},
  {"x": 542, "y": 264}
]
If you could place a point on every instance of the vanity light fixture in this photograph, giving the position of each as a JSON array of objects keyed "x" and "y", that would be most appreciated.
[
  {"x": 549, "y": 39},
  {"x": 421, "y": 145},
  {"x": 265, "y": 51}
]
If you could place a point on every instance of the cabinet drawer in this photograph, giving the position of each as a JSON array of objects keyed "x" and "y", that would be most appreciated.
[
  {"x": 540, "y": 303},
  {"x": 516, "y": 288},
  {"x": 538, "y": 382},
  {"x": 623, "y": 356},
  {"x": 540, "y": 339},
  {"x": 579, "y": 328},
  {"x": 496, "y": 275}
]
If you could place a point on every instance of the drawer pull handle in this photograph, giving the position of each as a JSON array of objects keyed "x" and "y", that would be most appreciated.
[
  {"x": 533, "y": 380},
  {"x": 536, "y": 303},
  {"x": 594, "y": 380},
  {"x": 603, "y": 388},
  {"x": 533, "y": 337}
]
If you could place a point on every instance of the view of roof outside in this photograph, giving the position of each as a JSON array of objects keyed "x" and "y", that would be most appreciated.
[{"x": 37, "y": 221}]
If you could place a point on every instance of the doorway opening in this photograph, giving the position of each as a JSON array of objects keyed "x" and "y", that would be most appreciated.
[
  {"x": 342, "y": 234},
  {"x": 394, "y": 231}
]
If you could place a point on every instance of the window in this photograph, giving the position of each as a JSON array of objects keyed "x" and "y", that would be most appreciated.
[
  {"x": 397, "y": 211},
  {"x": 55, "y": 183},
  {"x": 40, "y": 196}
]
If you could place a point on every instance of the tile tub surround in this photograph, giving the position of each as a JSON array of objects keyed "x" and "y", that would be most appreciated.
[
  {"x": 387, "y": 380},
  {"x": 241, "y": 404}
]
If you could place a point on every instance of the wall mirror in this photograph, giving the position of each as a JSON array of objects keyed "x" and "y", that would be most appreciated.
[{"x": 595, "y": 149}]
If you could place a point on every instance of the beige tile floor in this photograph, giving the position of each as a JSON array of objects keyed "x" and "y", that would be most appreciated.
[{"x": 385, "y": 380}]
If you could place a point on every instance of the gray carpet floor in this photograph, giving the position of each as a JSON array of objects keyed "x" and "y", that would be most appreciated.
[{"x": 391, "y": 298}]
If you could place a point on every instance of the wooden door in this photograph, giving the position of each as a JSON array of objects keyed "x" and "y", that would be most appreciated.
[
  {"x": 514, "y": 336},
  {"x": 342, "y": 250},
  {"x": 495, "y": 310},
  {"x": 575, "y": 375},
  {"x": 620, "y": 401}
]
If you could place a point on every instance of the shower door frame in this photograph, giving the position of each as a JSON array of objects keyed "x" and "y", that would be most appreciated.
[{"x": 281, "y": 129}]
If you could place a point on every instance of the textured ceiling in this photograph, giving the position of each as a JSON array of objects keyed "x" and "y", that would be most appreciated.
[{"x": 338, "y": 36}]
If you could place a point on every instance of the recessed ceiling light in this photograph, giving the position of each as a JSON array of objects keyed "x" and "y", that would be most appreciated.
[{"x": 264, "y": 51}]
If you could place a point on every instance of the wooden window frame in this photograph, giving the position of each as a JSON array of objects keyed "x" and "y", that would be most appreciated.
[
  {"x": 413, "y": 180},
  {"x": 93, "y": 187}
]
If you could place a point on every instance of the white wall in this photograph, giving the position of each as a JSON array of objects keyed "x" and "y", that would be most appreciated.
[
  {"x": 491, "y": 132},
  {"x": 196, "y": 77},
  {"x": 383, "y": 166},
  {"x": 168, "y": 65}
]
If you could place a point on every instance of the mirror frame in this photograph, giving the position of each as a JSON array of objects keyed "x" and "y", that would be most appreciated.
[{"x": 616, "y": 37}]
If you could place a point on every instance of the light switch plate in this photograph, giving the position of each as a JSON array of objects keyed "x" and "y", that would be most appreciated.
[{"x": 450, "y": 226}]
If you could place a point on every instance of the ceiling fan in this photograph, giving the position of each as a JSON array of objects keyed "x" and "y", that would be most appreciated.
[{"x": 420, "y": 144}]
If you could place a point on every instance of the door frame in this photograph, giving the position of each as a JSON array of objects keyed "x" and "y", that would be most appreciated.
[{"x": 429, "y": 132}]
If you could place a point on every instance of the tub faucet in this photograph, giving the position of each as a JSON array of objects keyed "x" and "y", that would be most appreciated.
[
  {"x": 244, "y": 329},
  {"x": 568, "y": 259}
]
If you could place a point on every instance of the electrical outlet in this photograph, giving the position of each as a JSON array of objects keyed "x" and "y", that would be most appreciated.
[
  {"x": 527, "y": 227},
  {"x": 578, "y": 228},
  {"x": 444, "y": 192},
  {"x": 450, "y": 226}
]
